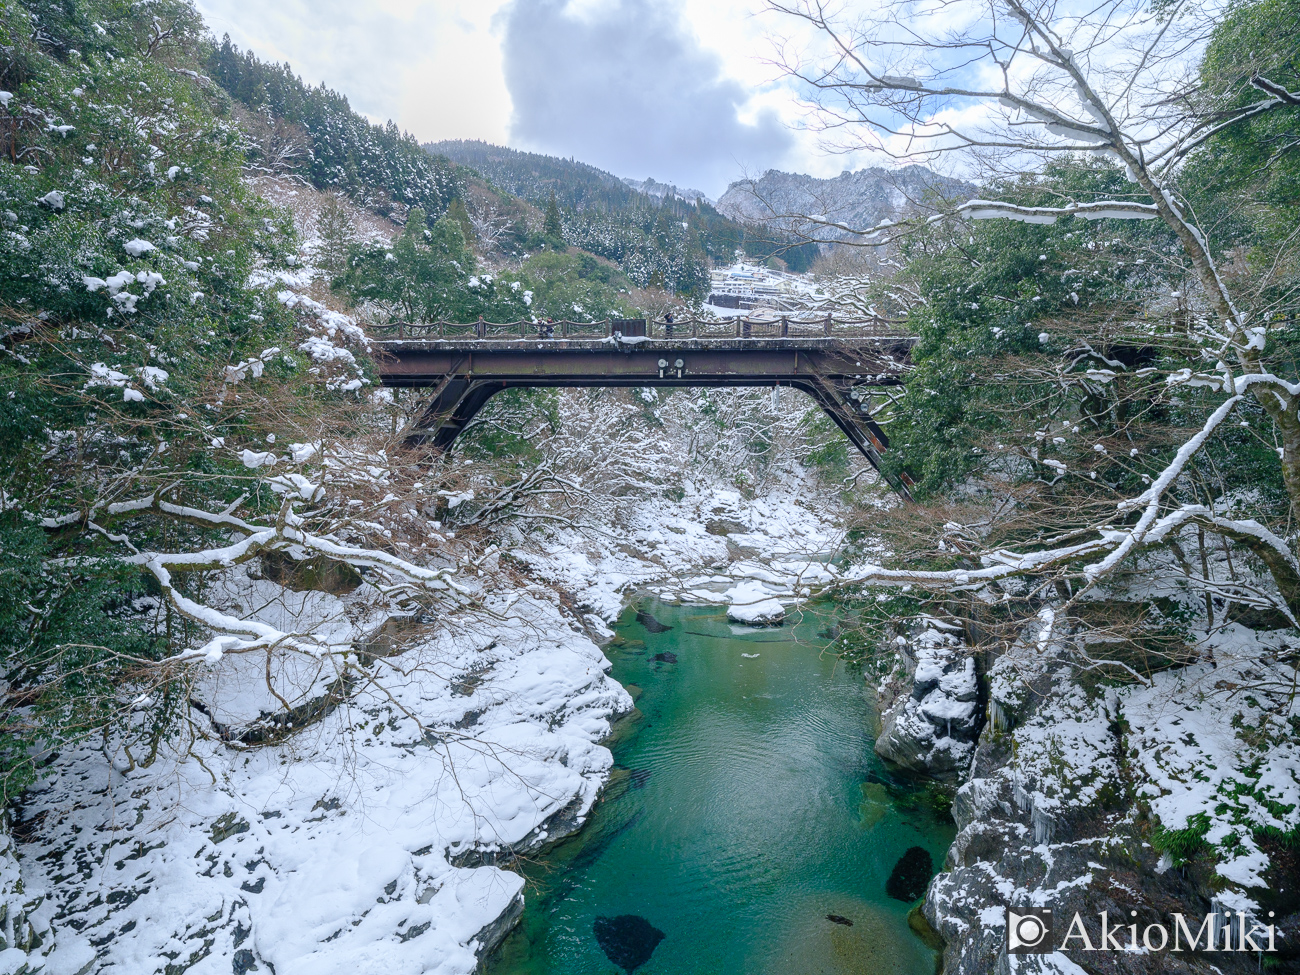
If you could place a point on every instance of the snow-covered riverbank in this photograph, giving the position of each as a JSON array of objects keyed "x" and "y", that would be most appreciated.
[{"x": 366, "y": 838}]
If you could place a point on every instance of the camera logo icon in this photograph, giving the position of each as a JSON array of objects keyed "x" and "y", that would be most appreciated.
[{"x": 1030, "y": 933}]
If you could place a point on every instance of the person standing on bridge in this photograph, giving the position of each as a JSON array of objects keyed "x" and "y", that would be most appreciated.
[{"x": 668, "y": 324}]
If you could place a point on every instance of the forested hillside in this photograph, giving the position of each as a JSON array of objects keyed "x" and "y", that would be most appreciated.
[
  {"x": 297, "y": 128},
  {"x": 536, "y": 177},
  {"x": 129, "y": 325},
  {"x": 656, "y": 238}
]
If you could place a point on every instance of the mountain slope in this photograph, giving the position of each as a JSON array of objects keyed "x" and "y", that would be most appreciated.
[
  {"x": 658, "y": 234},
  {"x": 291, "y": 127},
  {"x": 534, "y": 177},
  {"x": 651, "y": 187}
]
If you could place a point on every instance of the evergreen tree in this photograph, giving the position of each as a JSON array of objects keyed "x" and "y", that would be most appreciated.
[
  {"x": 552, "y": 226},
  {"x": 577, "y": 287},
  {"x": 337, "y": 237}
]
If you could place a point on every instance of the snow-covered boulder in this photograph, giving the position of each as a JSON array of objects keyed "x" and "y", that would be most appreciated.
[
  {"x": 750, "y": 602},
  {"x": 932, "y": 719}
]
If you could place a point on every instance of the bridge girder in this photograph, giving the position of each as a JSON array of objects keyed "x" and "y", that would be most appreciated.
[{"x": 465, "y": 375}]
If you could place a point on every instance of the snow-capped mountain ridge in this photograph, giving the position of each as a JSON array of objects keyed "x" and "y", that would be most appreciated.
[
  {"x": 856, "y": 199},
  {"x": 651, "y": 187}
]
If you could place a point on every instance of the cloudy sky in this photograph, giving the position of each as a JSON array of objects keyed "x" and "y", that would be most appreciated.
[{"x": 672, "y": 89}]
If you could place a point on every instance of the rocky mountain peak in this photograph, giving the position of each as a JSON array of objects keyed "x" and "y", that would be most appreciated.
[{"x": 856, "y": 199}]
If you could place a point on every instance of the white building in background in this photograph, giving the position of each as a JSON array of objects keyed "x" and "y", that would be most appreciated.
[{"x": 750, "y": 286}]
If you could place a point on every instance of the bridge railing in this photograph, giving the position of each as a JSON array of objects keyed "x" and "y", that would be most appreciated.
[{"x": 785, "y": 326}]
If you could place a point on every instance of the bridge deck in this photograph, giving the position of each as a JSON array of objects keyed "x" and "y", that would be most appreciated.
[{"x": 785, "y": 326}]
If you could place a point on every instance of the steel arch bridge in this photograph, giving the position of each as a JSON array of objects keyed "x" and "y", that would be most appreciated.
[{"x": 835, "y": 361}]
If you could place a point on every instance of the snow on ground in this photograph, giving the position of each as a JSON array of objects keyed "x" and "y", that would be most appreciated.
[
  {"x": 778, "y": 542},
  {"x": 1218, "y": 740},
  {"x": 333, "y": 851}
]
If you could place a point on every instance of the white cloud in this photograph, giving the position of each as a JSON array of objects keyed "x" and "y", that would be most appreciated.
[
  {"x": 626, "y": 85},
  {"x": 594, "y": 78},
  {"x": 433, "y": 66}
]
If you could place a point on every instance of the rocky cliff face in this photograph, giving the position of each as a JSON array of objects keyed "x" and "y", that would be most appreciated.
[
  {"x": 930, "y": 709},
  {"x": 1055, "y": 812},
  {"x": 855, "y": 199}
]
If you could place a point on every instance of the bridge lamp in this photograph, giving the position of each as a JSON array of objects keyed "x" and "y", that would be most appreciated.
[
  {"x": 679, "y": 365},
  {"x": 663, "y": 364}
]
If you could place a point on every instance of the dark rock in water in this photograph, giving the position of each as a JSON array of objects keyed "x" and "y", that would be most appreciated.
[
  {"x": 667, "y": 657},
  {"x": 651, "y": 624},
  {"x": 911, "y": 875},
  {"x": 627, "y": 940},
  {"x": 839, "y": 919},
  {"x": 639, "y": 777}
]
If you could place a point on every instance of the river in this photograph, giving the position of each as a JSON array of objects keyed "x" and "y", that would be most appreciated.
[{"x": 746, "y": 821}]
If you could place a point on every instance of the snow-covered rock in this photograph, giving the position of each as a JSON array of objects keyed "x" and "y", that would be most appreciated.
[
  {"x": 751, "y": 602},
  {"x": 930, "y": 710},
  {"x": 1073, "y": 789}
]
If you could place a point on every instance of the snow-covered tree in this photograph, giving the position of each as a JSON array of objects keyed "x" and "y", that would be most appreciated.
[
  {"x": 170, "y": 410},
  {"x": 1008, "y": 85}
]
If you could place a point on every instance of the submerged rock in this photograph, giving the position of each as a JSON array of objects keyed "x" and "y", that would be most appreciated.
[
  {"x": 920, "y": 925},
  {"x": 667, "y": 657},
  {"x": 816, "y": 944},
  {"x": 911, "y": 875},
  {"x": 875, "y": 804},
  {"x": 651, "y": 624},
  {"x": 627, "y": 940}
]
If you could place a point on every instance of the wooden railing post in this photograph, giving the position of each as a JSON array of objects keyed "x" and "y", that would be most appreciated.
[
  {"x": 828, "y": 325},
  {"x": 785, "y": 327}
]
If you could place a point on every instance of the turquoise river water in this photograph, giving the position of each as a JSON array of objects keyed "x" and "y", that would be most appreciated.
[{"x": 745, "y": 807}]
